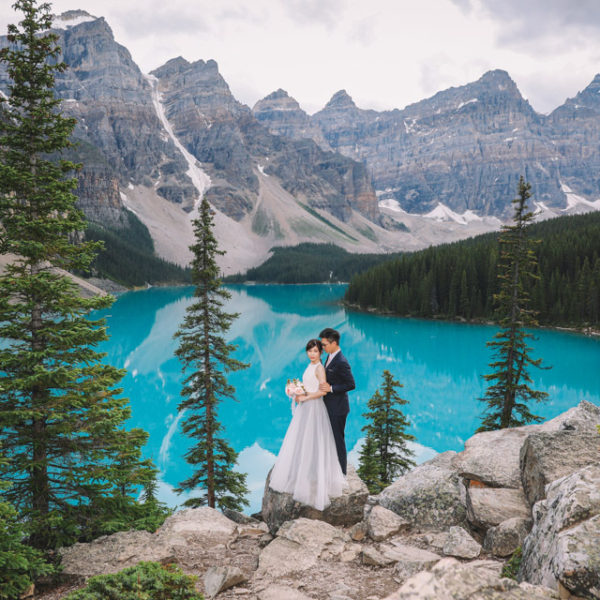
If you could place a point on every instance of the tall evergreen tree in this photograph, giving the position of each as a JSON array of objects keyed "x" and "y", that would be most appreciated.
[
  {"x": 61, "y": 420},
  {"x": 385, "y": 455},
  {"x": 509, "y": 396},
  {"x": 206, "y": 356},
  {"x": 19, "y": 564}
]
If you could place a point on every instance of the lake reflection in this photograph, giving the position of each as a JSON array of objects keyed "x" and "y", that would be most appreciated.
[{"x": 440, "y": 365}]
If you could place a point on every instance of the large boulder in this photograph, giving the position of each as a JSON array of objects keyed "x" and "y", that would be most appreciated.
[
  {"x": 382, "y": 523},
  {"x": 477, "y": 580},
  {"x": 408, "y": 559},
  {"x": 584, "y": 418},
  {"x": 299, "y": 545},
  {"x": 564, "y": 543},
  {"x": 200, "y": 527},
  {"x": 112, "y": 553},
  {"x": 506, "y": 537},
  {"x": 546, "y": 457},
  {"x": 487, "y": 507},
  {"x": 217, "y": 579},
  {"x": 492, "y": 457},
  {"x": 346, "y": 510},
  {"x": 431, "y": 496},
  {"x": 460, "y": 544}
]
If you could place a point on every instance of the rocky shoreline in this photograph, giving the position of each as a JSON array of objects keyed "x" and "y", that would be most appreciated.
[{"x": 442, "y": 531}]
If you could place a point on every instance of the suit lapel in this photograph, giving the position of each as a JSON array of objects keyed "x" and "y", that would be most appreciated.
[{"x": 333, "y": 360}]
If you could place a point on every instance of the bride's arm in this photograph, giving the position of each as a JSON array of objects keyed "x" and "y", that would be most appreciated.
[{"x": 320, "y": 374}]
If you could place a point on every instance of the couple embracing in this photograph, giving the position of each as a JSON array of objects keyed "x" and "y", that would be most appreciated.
[{"x": 311, "y": 464}]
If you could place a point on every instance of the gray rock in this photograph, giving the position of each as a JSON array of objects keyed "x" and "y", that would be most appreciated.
[
  {"x": 487, "y": 507},
  {"x": 584, "y": 417},
  {"x": 350, "y": 552},
  {"x": 239, "y": 517},
  {"x": 492, "y": 457},
  {"x": 217, "y": 579},
  {"x": 477, "y": 580},
  {"x": 382, "y": 523},
  {"x": 460, "y": 544},
  {"x": 506, "y": 537},
  {"x": 112, "y": 553},
  {"x": 358, "y": 531},
  {"x": 204, "y": 527},
  {"x": 281, "y": 592},
  {"x": 346, "y": 510},
  {"x": 546, "y": 457},
  {"x": 409, "y": 559},
  {"x": 299, "y": 545},
  {"x": 564, "y": 543},
  {"x": 371, "y": 556},
  {"x": 436, "y": 541},
  {"x": 431, "y": 496}
]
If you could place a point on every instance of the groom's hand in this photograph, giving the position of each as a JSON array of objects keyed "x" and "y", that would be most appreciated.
[{"x": 324, "y": 387}]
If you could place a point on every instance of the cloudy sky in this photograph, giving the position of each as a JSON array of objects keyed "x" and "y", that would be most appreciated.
[{"x": 385, "y": 53}]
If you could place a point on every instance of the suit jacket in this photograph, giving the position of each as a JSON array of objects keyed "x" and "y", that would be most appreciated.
[{"x": 339, "y": 375}]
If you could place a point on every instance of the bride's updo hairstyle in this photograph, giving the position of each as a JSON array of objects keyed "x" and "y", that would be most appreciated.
[{"x": 314, "y": 343}]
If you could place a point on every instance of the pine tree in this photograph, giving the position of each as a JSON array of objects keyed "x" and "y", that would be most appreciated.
[
  {"x": 385, "y": 454},
  {"x": 61, "y": 420},
  {"x": 507, "y": 399},
  {"x": 205, "y": 355},
  {"x": 19, "y": 564},
  {"x": 369, "y": 465}
]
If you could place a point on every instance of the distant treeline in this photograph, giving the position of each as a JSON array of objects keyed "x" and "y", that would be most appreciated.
[
  {"x": 128, "y": 256},
  {"x": 459, "y": 279},
  {"x": 310, "y": 263}
]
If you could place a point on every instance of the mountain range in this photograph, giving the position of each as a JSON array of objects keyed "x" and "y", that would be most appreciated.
[{"x": 441, "y": 169}]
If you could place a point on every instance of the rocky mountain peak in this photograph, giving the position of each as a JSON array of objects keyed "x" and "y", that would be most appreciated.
[
  {"x": 590, "y": 96},
  {"x": 341, "y": 100},
  {"x": 283, "y": 116},
  {"x": 278, "y": 100},
  {"x": 585, "y": 105},
  {"x": 277, "y": 95},
  {"x": 498, "y": 78},
  {"x": 175, "y": 65}
]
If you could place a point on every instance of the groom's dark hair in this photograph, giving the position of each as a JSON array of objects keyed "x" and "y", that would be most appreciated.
[{"x": 331, "y": 334}]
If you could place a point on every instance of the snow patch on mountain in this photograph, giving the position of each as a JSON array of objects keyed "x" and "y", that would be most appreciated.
[
  {"x": 392, "y": 205},
  {"x": 442, "y": 213},
  {"x": 199, "y": 178},
  {"x": 575, "y": 201},
  {"x": 467, "y": 102}
]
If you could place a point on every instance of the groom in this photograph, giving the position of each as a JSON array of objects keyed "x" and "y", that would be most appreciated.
[{"x": 339, "y": 382}]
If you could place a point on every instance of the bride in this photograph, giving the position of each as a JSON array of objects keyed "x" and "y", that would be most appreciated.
[{"x": 307, "y": 465}]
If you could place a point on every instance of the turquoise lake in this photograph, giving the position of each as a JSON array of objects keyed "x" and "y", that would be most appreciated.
[{"x": 440, "y": 364}]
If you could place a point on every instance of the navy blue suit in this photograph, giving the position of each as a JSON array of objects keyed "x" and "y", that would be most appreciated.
[{"x": 339, "y": 376}]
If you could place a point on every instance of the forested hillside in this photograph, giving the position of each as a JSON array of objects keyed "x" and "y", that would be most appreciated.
[
  {"x": 129, "y": 258},
  {"x": 459, "y": 279},
  {"x": 310, "y": 263}
]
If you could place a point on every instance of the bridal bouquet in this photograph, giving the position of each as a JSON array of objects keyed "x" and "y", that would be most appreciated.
[{"x": 294, "y": 387}]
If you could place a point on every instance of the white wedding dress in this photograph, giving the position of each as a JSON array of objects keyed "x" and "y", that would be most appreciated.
[{"x": 307, "y": 465}]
